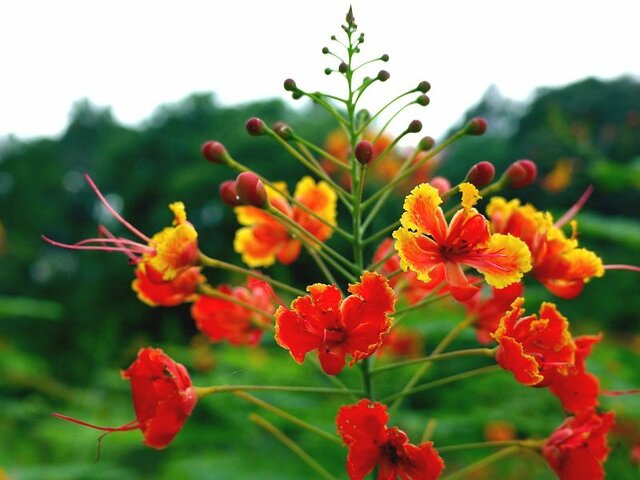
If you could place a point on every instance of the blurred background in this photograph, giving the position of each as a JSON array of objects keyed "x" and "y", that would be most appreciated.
[{"x": 108, "y": 90}]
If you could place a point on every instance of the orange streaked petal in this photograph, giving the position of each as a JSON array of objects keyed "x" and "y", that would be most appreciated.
[
  {"x": 255, "y": 253},
  {"x": 423, "y": 212},
  {"x": 505, "y": 260},
  {"x": 289, "y": 251},
  {"x": 419, "y": 254}
]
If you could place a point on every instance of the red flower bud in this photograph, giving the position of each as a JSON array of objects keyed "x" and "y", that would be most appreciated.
[
  {"x": 255, "y": 127},
  {"x": 290, "y": 85},
  {"x": 521, "y": 174},
  {"x": 228, "y": 193},
  {"x": 441, "y": 184},
  {"x": 251, "y": 190},
  {"x": 426, "y": 143},
  {"x": 481, "y": 174},
  {"x": 476, "y": 126},
  {"x": 214, "y": 152},
  {"x": 415, "y": 126},
  {"x": 364, "y": 152},
  {"x": 424, "y": 86}
]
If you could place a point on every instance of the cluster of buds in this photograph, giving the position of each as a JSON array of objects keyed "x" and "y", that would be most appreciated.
[{"x": 428, "y": 253}]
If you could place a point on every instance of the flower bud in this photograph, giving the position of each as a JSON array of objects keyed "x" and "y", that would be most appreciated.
[
  {"x": 423, "y": 100},
  {"x": 424, "y": 86},
  {"x": 290, "y": 85},
  {"x": 384, "y": 58},
  {"x": 364, "y": 152},
  {"x": 250, "y": 190},
  {"x": 327, "y": 71},
  {"x": 476, "y": 126},
  {"x": 481, "y": 174},
  {"x": 521, "y": 173},
  {"x": 297, "y": 95},
  {"x": 415, "y": 126},
  {"x": 282, "y": 130},
  {"x": 426, "y": 143},
  {"x": 214, "y": 152},
  {"x": 343, "y": 67},
  {"x": 255, "y": 127},
  {"x": 325, "y": 50},
  {"x": 383, "y": 75},
  {"x": 228, "y": 193},
  {"x": 350, "y": 18},
  {"x": 441, "y": 184}
]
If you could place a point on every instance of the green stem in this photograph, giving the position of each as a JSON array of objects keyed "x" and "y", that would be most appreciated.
[
  {"x": 382, "y": 233},
  {"x": 379, "y": 112},
  {"x": 326, "y": 155},
  {"x": 367, "y": 377},
  {"x": 342, "y": 193},
  {"x": 333, "y": 378},
  {"x": 375, "y": 265},
  {"x": 291, "y": 445},
  {"x": 306, "y": 237},
  {"x": 321, "y": 265},
  {"x": 202, "y": 392},
  {"x": 400, "y": 177},
  {"x": 215, "y": 263},
  {"x": 287, "y": 416},
  {"x": 443, "y": 381},
  {"x": 530, "y": 443},
  {"x": 460, "y": 474},
  {"x": 484, "y": 352},
  {"x": 444, "y": 343}
]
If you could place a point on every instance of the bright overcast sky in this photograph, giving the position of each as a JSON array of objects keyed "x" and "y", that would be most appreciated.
[{"x": 134, "y": 55}]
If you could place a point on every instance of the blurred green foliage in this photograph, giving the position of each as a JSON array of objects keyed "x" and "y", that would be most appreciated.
[{"x": 68, "y": 321}]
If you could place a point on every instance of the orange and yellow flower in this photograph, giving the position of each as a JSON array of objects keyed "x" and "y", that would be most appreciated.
[
  {"x": 166, "y": 293},
  {"x": 427, "y": 244},
  {"x": 558, "y": 263},
  {"x": 263, "y": 239}
]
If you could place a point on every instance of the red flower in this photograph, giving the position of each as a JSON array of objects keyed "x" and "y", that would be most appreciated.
[
  {"x": 558, "y": 263},
  {"x": 577, "y": 389},
  {"x": 489, "y": 311},
  {"x": 221, "y": 319},
  {"x": 363, "y": 428},
  {"x": 534, "y": 349},
  {"x": 428, "y": 245},
  {"x": 323, "y": 321},
  {"x": 154, "y": 291},
  {"x": 577, "y": 449},
  {"x": 163, "y": 398}
]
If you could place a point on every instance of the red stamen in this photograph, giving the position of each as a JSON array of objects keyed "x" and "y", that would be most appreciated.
[
  {"x": 632, "y": 268},
  {"x": 573, "y": 211},
  {"x": 133, "y": 425},
  {"x": 115, "y": 214},
  {"x": 618, "y": 393}
]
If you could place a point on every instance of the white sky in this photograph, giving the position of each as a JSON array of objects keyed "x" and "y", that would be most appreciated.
[{"x": 136, "y": 54}]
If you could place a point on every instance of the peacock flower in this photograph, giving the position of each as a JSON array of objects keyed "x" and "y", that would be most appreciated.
[
  {"x": 163, "y": 398},
  {"x": 427, "y": 244},
  {"x": 169, "y": 252},
  {"x": 263, "y": 239},
  {"x": 363, "y": 429},
  {"x": 337, "y": 327},
  {"x": 534, "y": 349},
  {"x": 557, "y": 262}
]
